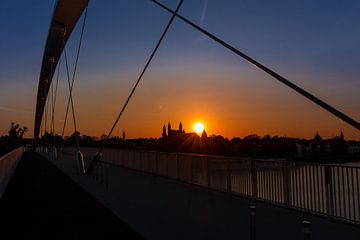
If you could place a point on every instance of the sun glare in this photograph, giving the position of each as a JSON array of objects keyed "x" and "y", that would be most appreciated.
[{"x": 199, "y": 128}]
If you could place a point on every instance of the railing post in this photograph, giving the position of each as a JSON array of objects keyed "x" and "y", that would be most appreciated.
[
  {"x": 157, "y": 163},
  {"x": 167, "y": 165},
  {"x": 228, "y": 176},
  {"x": 306, "y": 230},
  {"x": 286, "y": 184},
  {"x": 107, "y": 170},
  {"x": 192, "y": 172},
  {"x": 177, "y": 166},
  {"x": 252, "y": 223},
  {"x": 329, "y": 192},
  {"x": 208, "y": 173},
  {"x": 253, "y": 179}
]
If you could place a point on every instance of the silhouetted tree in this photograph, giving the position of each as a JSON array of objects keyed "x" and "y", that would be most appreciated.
[{"x": 14, "y": 138}]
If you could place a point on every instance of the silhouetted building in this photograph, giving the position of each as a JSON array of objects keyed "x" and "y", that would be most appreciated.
[
  {"x": 172, "y": 132},
  {"x": 164, "y": 135},
  {"x": 204, "y": 134}
]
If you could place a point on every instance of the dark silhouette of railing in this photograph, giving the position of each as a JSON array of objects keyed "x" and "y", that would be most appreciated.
[{"x": 327, "y": 190}]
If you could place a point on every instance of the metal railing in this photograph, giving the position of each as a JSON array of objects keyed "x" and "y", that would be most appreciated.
[
  {"x": 8, "y": 164},
  {"x": 321, "y": 189}
]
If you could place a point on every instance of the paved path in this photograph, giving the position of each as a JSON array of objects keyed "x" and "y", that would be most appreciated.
[
  {"x": 41, "y": 202},
  {"x": 159, "y": 208}
]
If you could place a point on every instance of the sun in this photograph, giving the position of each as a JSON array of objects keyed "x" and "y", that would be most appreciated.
[{"x": 198, "y": 128}]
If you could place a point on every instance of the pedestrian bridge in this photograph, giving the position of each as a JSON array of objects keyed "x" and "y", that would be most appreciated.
[{"x": 154, "y": 195}]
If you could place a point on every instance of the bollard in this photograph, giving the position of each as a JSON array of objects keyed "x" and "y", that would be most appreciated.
[
  {"x": 93, "y": 164},
  {"x": 80, "y": 160},
  {"x": 55, "y": 153},
  {"x": 252, "y": 223},
  {"x": 306, "y": 226}
]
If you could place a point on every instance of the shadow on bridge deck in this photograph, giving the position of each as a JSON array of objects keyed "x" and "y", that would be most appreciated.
[{"x": 41, "y": 202}]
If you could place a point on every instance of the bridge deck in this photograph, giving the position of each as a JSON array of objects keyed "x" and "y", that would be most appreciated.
[
  {"x": 161, "y": 208},
  {"x": 41, "y": 202}
]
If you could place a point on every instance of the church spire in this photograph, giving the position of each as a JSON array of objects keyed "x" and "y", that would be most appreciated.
[
  {"x": 180, "y": 127},
  {"x": 204, "y": 134},
  {"x": 169, "y": 128},
  {"x": 164, "y": 132}
]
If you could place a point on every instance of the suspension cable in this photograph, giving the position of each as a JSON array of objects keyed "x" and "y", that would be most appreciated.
[
  {"x": 47, "y": 99},
  {"x": 280, "y": 78},
  {"x": 97, "y": 157},
  {"x": 71, "y": 99},
  {"x": 52, "y": 108},
  {"x": 54, "y": 101},
  {"x": 46, "y": 116},
  {"x": 74, "y": 72}
]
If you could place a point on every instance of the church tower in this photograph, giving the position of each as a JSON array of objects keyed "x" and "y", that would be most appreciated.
[
  {"x": 204, "y": 134},
  {"x": 169, "y": 128},
  {"x": 342, "y": 136},
  {"x": 180, "y": 128},
  {"x": 164, "y": 132}
]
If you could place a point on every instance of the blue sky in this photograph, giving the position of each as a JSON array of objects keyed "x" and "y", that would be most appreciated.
[{"x": 313, "y": 43}]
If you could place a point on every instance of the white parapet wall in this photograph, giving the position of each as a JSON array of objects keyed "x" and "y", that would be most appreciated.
[{"x": 8, "y": 163}]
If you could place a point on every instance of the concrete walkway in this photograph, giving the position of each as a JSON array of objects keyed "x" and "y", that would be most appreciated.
[
  {"x": 41, "y": 202},
  {"x": 160, "y": 208}
]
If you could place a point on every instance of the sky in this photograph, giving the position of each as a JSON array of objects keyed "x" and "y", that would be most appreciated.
[{"x": 315, "y": 44}]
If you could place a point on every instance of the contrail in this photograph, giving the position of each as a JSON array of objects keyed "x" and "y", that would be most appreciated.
[{"x": 203, "y": 14}]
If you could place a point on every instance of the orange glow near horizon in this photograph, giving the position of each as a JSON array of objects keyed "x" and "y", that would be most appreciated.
[{"x": 232, "y": 109}]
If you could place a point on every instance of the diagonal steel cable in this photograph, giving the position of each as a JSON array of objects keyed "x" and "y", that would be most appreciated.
[
  {"x": 75, "y": 69},
  {"x": 54, "y": 94},
  {"x": 96, "y": 158},
  {"x": 277, "y": 76},
  {"x": 47, "y": 102},
  {"x": 71, "y": 98}
]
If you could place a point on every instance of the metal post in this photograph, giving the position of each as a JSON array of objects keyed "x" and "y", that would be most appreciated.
[
  {"x": 329, "y": 192},
  {"x": 208, "y": 173},
  {"x": 306, "y": 230},
  {"x": 192, "y": 172},
  {"x": 107, "y": 176},
  {"x": 177, "y": 166},
  {"x": 286, "y": 184},
  {"x": 167, "y": 165},
  {"x": 157, "y": 163},
  {"x": 253, "y": 179},
  {"x": 252, "y": 223},
  {"x": 228, "y": 176}
]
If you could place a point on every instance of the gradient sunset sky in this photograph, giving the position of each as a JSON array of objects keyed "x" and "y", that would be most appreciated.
[{"x": 313, "y": 43}]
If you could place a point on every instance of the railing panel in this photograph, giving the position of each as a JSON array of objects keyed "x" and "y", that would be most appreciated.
[
  {"x": 241, "y": 177},
  {"x": 199, "y": 170},
  {"x": 323, "y": 189},
  {"x": 172, "y": 165},
  {"x": 184, "y": 165},
  {"x": 218, "y": 173},
  {"x": 271, "y": 181},
  {"x": 162, "y": 164}
]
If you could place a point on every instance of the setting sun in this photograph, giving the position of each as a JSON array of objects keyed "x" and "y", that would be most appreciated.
[{"x": 199, "y": 128}]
